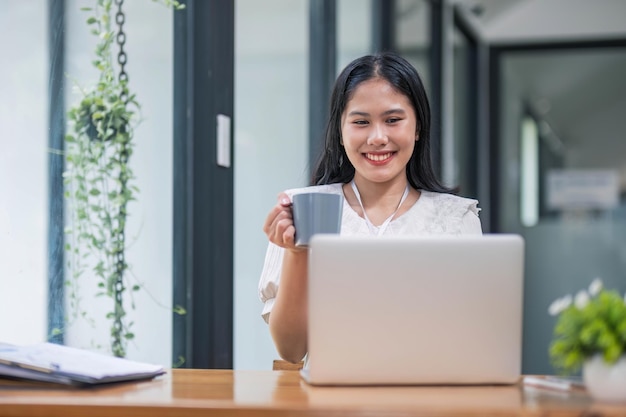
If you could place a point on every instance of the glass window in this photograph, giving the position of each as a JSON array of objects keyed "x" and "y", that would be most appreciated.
[
  {"x": 149, "y": 49},
  {"x": 271, "y": 149},
  {"x": 354, "y": 30},
  {"x": 563, "y": 177},
  {"x": 412, "y": 23},
  {"x": 24, "y": 179}
]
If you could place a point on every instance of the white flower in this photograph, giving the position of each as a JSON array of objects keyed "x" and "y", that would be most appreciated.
[
  {"x": 581, "y": 300},
  {"x": 555, "y": 307},
  {"x": 595, "y": 287},
  {"x": 559, "y": 305},
  {"x": 567, "y": 300}
]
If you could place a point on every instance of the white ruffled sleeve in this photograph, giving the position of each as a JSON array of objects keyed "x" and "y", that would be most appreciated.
[
  {"x": 470, "y": 223},
  {"x": 270, "y": 278}
]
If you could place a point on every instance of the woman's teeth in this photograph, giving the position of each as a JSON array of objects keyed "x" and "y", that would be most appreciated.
[{"x": 377, "y": 157}]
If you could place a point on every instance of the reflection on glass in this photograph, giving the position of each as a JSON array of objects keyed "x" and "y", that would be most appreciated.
[
  {"x": 412, "y": 25},
  {"x": 461, "y": 155},
  {"x": 530, "y": 173}
]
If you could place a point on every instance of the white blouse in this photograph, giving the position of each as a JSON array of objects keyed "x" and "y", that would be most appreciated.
[{"x": 432, "y": 214}]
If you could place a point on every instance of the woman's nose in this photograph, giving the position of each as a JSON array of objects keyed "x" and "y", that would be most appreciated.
[{"x": 378, "y": 136}]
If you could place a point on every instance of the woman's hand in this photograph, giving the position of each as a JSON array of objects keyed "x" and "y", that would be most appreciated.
[{"x": 279, "y": 226}]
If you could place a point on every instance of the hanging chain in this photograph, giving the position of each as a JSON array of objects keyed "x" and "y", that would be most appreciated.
[
  {"x": 120, "y": 19},
  {"x": 118, "y": 337}
]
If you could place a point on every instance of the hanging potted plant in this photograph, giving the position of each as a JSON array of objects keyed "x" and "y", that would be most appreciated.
[
  {"x": 99, "y": 180},
  {"x": 590, "y": 333}
]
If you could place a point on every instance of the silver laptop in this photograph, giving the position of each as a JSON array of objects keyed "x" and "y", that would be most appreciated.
[{"x": 409, "y": 310}]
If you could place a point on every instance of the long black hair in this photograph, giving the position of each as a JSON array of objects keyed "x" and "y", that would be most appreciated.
[{"x": 333, "y": 165}]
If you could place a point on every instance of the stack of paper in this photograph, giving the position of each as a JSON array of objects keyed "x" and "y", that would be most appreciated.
[{"x": 47, "y": 362}]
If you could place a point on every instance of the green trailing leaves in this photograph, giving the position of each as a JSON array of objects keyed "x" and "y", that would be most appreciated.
[
  {"x": 98, "y": 179},
  {"x": 180, "y": 310},
  {"x": 99, "y": 182}
]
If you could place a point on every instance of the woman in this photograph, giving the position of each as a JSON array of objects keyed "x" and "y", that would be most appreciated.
[{"x": 377, "y": 155}]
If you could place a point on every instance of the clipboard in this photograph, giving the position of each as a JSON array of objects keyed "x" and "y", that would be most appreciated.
[{"x": 58, "y": 364}]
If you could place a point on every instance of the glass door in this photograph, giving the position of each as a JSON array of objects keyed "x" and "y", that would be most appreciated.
[{"x": 560, "y": 178}]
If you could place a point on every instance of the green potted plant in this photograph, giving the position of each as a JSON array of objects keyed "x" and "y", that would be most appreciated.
[
  {"x": 590, "y": 333},
  {"x": 99, "y": 182}
]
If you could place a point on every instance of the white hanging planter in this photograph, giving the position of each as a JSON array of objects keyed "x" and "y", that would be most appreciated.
[{"x": 605, "y": 382}]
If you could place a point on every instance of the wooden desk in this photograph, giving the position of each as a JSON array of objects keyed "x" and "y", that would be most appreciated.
[{"x": 281, "y": 393}]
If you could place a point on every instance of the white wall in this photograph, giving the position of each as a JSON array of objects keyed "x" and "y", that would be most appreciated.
[{"x": 23, "y": 172}]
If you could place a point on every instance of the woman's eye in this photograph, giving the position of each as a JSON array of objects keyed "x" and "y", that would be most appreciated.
[
  {"x": 360, "y": 122},
  {"x": 393, "y": 120}
]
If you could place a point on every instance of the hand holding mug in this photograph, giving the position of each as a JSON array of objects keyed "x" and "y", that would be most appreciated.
[
  {"x": 279, "y": 226},
  {"x": 291, "y": 223}
]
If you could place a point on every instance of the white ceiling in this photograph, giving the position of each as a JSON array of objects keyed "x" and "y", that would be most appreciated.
[{"x": 505, "y": 21}]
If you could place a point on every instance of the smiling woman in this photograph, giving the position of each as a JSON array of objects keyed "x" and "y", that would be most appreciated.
[{"x": 377, "y": 157}]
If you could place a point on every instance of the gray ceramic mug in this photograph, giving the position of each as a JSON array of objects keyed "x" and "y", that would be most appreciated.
[{"x": 315, "y": 213}]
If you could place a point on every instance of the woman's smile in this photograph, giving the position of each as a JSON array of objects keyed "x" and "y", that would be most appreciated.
[{"x": 379, "y": 158}]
